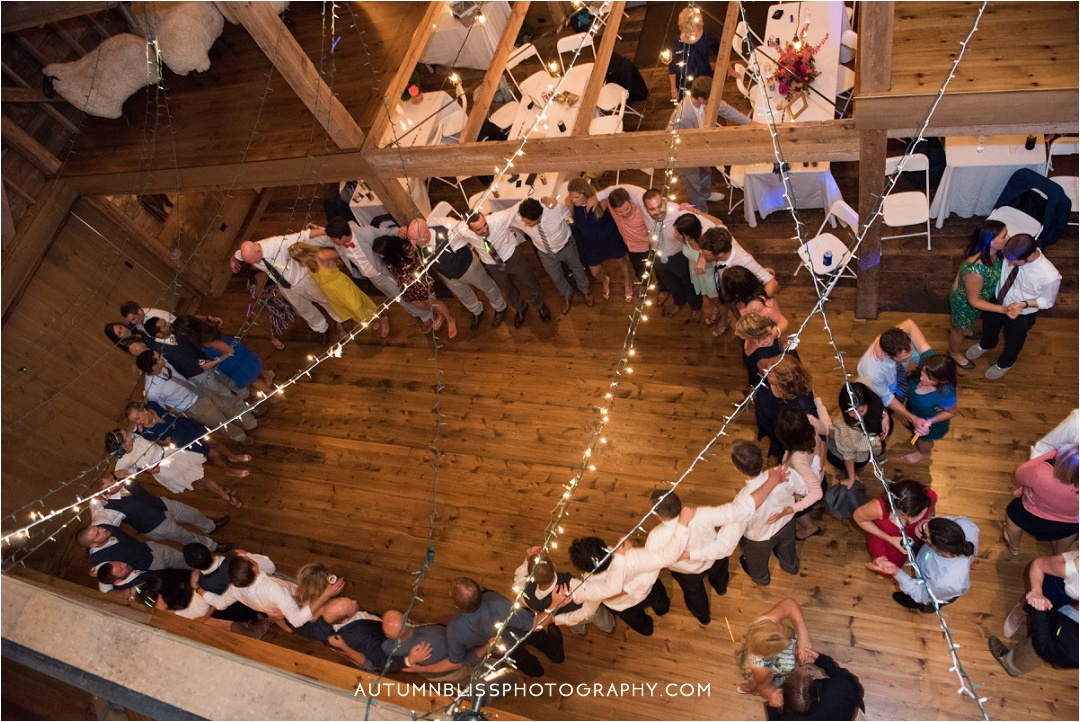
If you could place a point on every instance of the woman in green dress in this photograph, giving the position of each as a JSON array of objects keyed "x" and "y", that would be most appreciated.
[{"x": 975, "y": 285}]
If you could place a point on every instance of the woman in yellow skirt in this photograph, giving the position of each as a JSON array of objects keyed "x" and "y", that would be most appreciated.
[{"x": 348, "y": 301}]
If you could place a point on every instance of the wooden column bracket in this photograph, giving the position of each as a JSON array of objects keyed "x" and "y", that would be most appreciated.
[
  {"x": 723, "y": 60},
  {"x": 486, "y": 91},
  {"x": 299, "y": 72},
  {"x": 596, "y": 80}
]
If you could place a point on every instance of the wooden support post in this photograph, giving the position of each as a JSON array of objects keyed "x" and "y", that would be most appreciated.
[
  {"x": 70, "y": 40},
  {"x": 23, "y": 15},
  {"x": 874, "y": 68},
  {"x": 31, "y": 49},
  {"x": 484, "y": 94},
  {"x": 35, "y": 235},
  {"x": 722, "y": 62},
  {"x": 289, "y": 59},
  {"x": 398, "y": 83},
  {"x": 587, "y": 108},
  {"x": 29, "y": 148},
  {"x": 871, "y": 186}
]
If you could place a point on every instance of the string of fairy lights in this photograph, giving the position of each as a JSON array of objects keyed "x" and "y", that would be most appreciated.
[
  {"x": 967, "y": 686},
  {"x": 597, "y": 439}
]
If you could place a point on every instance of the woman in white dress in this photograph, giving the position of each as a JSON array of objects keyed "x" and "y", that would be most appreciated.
[{"x": 180, "y": 472}]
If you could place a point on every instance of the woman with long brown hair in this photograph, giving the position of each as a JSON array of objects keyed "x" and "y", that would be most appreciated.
[
  {"x": 348, "y": 301},
  {"x": 598, "y": 237}
]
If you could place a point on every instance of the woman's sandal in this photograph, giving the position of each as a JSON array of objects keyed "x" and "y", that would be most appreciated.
[
  {"x": 277, "y": 344},
  {"x": 238, "y": 473},
  {"x": 241, "y": 459},
  {"x": 234, "y": 502},
  {"x": 606, "y": 293},
  {"x": 629, "y": 293}
]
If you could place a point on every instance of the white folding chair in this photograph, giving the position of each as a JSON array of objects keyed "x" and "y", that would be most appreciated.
[
  {"x": 520, "y": 55},
  {"x": 474, "y": 199},
  {"x": 1016, "y": 221},
  {"x": 849, "y": 45},
  {"x": 845, "y": 84},
  {"x": 571, "y": 43},
  {"x": 841, "y": 211},
  {"x": 741, "y": 75},
  {"x": 735, "y": 177},
  {"x": 454, "y": 116},
  {"x": 613, "y": 100},
  {"x": 1065, "y": 145},
  {"x": 443, "y": 209},
  {"x": 911, "y": 207},
  {"x": 737, "y": 41},
  {"x": 606, "y": 125},
  {"x": 813, "y": 252}
]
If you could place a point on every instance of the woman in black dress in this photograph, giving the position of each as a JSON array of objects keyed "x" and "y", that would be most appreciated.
[
  {"x": 598, "y": 237},
  {"x": 790, "y": 386}
]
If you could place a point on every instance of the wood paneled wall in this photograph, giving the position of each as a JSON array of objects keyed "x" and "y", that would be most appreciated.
[{"x": 54, "y": 345}]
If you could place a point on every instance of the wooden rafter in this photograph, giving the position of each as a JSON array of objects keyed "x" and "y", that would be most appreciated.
[
  {"x": 722, "y": 63},
  {"x": 289, "y": 59},
  {"x": 48, "y": 108},
  {"x": 29, "y": 148},
  {"x": 587, "y": 109},
  {"x": 23, "y": 15},
  {"x": 27, "y": 95},
  {"x": 400, "y": 81},
  {"x": 486, "y": 91}
]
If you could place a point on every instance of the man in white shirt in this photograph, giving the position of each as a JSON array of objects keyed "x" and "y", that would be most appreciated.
[
  {"x": 639, "y": 569},
  {"x": 1064, "y": 434},
  {"x": 135, "y": 316},
  {"x": 884, "y": 368},
  {"x": 496, "y": 242},
  {"x": 544, "y": 222},
  {"x": 690, "y": 114},
  {"x": 457, "y": 266},
  {"x": 353, "y": 243},
  {"x": 537, "y": 595},
  {"x": 1029, "y": 283},
  {"x": 168, "y": 388},
  {"x": 718, "y": 252},
  {"x": 707, "y": 548},
  {"x": 270, "y": 595},
  {"x": 271, "y": 255},
  {"x": 769, "y": 531}
]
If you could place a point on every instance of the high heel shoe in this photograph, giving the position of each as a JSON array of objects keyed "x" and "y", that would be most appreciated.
[{"x": 1015, "y": 551}]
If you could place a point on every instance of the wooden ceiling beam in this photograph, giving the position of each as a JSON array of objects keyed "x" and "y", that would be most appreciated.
[
  {"x": 34, "y": 237},
  {"x": 54, "y": 113},
  {"x": 821, "y": 141},
  {"x": 25, "y": 144},
  {"x": 27, "y": 95},
  {"x": 23, "y": 15},
  {"x": 722, "y": 62},
  {"x": 289, "y": 59},
  {"x": 486, "y": 91},
  {"x": 1040, "y": 110},
  {"x": 70, "y": 40},
  {"x": 876, "y": 31},
  {"x": 587, "y": 109},
  {"x": 396, "y": 86}
]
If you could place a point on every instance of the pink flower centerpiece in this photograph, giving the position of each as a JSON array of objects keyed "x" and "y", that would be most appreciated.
[{"x": 795, "y": 69}]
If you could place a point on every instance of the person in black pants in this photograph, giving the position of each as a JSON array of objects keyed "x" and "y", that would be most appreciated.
[{"x": 835, "y": 697}]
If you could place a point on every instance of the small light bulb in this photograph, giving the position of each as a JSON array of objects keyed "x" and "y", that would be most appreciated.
[
  {"x": 603, "y": 440},
  {"x": 481, "y": 19}
]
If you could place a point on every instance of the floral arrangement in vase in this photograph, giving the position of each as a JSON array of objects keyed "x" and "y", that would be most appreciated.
[{"x": 795, "y": 65}]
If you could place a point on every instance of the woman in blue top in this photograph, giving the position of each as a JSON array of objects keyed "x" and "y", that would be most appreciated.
[
  {"x": 238, "y": 362},
  {"x": 932, "y": 399},
  {"x": 690, "y": 52}
]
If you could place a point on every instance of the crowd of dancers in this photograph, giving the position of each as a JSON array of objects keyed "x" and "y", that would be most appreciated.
[{"x": 198, "y": 377}]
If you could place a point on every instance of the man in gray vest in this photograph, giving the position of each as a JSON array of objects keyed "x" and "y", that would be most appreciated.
[
  {"x": 153, "y": 517},
  {"x": 537, "y": 595},
  {"x": 457, "y": 266}
]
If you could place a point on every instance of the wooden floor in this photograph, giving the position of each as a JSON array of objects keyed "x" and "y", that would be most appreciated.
[{"x": 343, "y": 474}]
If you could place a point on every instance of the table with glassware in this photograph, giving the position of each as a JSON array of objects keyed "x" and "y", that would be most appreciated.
[
  {"x": 977, "y": 169},
  {"x": 560, "y": 116}
]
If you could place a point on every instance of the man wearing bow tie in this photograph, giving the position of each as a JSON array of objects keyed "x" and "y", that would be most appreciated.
[
  {"x": 353, "y": 242},
  {"x": 719, "y": 250}
]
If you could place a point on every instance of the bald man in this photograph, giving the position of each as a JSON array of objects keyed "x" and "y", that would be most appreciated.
[
  {"x": 459, "y": 269},
  {"x": 271, "y": 255},
  {"x": 437, "y": 667}
]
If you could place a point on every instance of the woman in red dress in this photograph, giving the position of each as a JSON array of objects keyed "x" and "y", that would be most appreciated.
[{"x": 914, "y": 503}]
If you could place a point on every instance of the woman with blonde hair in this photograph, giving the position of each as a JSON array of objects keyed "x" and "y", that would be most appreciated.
[
  {"x": 761, "y": 344},
  {"x": 775, "y": 644},
  {"x": 690, "y": 51},
  {"x": 311, "y": 581},
  {"x": 597, "y": 235},
  {"x": 345, "y": 298}
]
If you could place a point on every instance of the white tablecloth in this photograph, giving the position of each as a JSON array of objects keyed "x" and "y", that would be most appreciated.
[
  {"x": 763, "y": 190},
  {"x": 420, "y": 123},
  {"x": 365, "y": 209},
  {"x": 826, "y": 17},
  {"x": 973, "y": 180},
  {"x": 457, "y": 45},
  {"x": 532, "y": 90}
]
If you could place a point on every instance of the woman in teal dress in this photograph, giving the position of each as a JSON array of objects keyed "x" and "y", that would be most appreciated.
[
  {"x": 975, "y": 286},
  {"x": 932, "y": 397}
]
